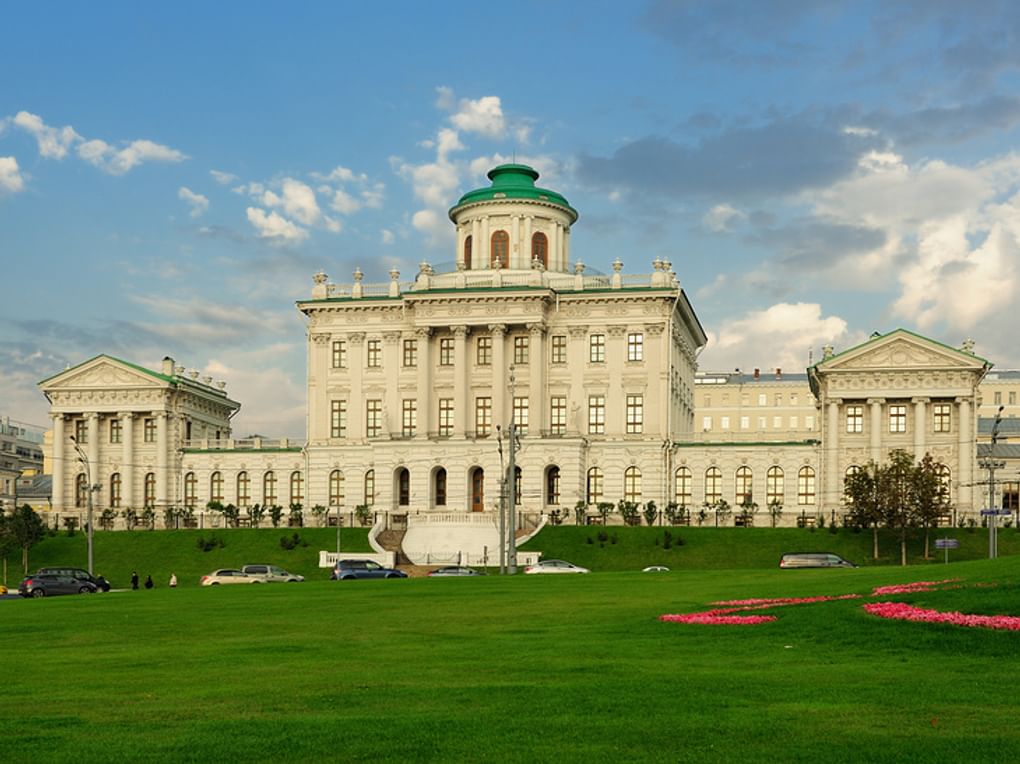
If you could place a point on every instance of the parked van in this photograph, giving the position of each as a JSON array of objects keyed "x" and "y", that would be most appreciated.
[{"x": 814, "y": 560}]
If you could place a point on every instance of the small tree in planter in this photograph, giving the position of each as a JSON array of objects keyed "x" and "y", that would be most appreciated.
[
  {"x": 605, "y": 509},
  {"x": 231, "y": 513},
  {"x": 296, "y": 515},
  {"x": 170, "y": 515},
  {"x": 703, "y": 513},
  {"x": 129, "y": 516},
  {"x": 275, "y": 514},
  {"x": 149, "y": 518},
  {"x": 775, "y": 511},
  {"x": 319, "y": 511},
  {"x": 187, "y": 514},
  {"x": 70, "y": 523},
  {"x": 723, "y": 510},
  {"x": 364, "y": 514},
  {"x": 107, "y": 518},
  {"x": 580, "y": 512},
  {"x": 651, "y": 513},
  {"x": 255, "y": 513},
  {"x": 629, "y": 512},
  {"x": 747, "y": 512},
  {"x": 671, "y": 512}
]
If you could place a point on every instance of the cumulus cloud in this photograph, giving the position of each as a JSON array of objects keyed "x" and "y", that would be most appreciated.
[
  {"x": 199, "y": 204},
  {"x": 274, "y": 227},
  {"x": 223, "y": 178},
  {"x": 386, "y": 236},
  {"x": 719, "y": 218},
  {"x": 11, "y": 180},
  {"x": 483, "y": 116},
  {"x": 296, "y": 199},
  {"x": 53, "y": 142}
]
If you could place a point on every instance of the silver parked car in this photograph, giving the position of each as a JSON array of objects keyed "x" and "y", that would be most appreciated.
[
  {"x": 555, "y": 566},
  {"x": 814, "y": 560},
  {"x": 271, "y": 574}
]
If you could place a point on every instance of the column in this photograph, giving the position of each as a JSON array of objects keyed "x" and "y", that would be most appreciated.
[
  {"x": 516, "y": 253},
  {"x": 616, "y": 399},
  {"x": 538, "y": 400},
  {"x": 460, "y": 381},
  {"x": 967, "y": 452},
  {"x": 920, "y": 427},
  {"x": 476, "y": 246},
  {"x": 425, "y": 423},
  {"x": 59, "y": 479},
  {"x": 127, "y": 471},
  {"x": 161, "y": 458},
  {"x": 577, "y": 362},
  {"x": 528, "y": 222},
  {"x": 832, "y": 481},
  {"x": 320, "y": 352},
  {"x": 483, "y": 248},
  {"x": 876, "y": 428},
  {"x": 356, "y": 403},
  {"x": 555, "y": 251},
  {"x": 499, "y": 375},
  {"x": 562, "y": 264},
  {"x": 392, "y": 408},
  {"x": 92, "y": 430}
]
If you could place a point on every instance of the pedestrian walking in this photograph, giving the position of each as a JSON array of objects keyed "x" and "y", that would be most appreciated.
[
  {"x": 148, "y": 582},
  {"x": 134, "y": 580},
  {"x": 173, "y": 580}
]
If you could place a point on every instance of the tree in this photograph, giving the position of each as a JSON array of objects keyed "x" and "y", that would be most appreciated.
[
  {"x": 775, "y": 511},
  {"x": 748, "y": 509},
  {"x": 864, "y": 501},
  {"x": 930, "y": 497},
  {"x": 25, "y": 529},
  {"x": 651, "y": 512},
  {"x": 897, "y": 485}
]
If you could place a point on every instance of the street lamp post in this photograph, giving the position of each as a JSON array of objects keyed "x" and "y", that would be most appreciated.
[
  {"x": 89, "y": 488},
  {"x": 991, "y": 465}
]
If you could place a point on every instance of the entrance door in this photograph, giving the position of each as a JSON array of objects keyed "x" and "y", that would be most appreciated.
[{"x": 478, "y": 490}]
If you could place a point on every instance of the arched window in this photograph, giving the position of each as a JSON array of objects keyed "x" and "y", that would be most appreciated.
[
  {"x": 269, "y": 489},
  {"x": 467, "y": 253},
  {"x": 806, "y": 486},
  {"x": 336, "y": 488},
  {"x": 540, "y": 249},
  {"x": 744, "y": 494},
  {"x": 190, "y": 490},
  {"x": 518, "y": 481},
  {"x": 297, "y": 487},
  {"x": 403, "y": 487},
  {"x": 243, "y": 489},
  {"x": 632, "y": 484},
  {"x": 775, "y": 492},
  {"x": 440, "y": 487},
  {"x": 713, "y": 485},
  {"x": 552, "y": 485},
  {"x": 216, "y": 486},
  {"x": 593, "y": 494},
  {"x": 682, "y": 488},
  {"x": 115, "y": 490},
  {"x": 149, "y": 497},
  {"x": 81, "y": 490},
  {"x": 500, "y": 249},
  {"x": 369, "y": 488}
]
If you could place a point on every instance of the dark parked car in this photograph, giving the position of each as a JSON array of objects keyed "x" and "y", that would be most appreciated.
[
  {"x": 455, "y": 570},
  {"x": 52, "y": 584},
  {"x": 346, "y": 570},
  {"x": 814, "y": 560},
  {"x": 79, "y": 574}
]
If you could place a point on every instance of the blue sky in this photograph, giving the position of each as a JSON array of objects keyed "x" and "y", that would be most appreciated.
[{"x": 171, "y": 177}]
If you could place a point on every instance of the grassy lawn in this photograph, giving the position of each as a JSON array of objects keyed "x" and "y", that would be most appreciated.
[{"x": 557, "y": 668}]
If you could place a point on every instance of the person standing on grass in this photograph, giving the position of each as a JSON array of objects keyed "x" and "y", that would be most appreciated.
[
  {"x": 134, "y": 580},
  {"x": 173, "y": 580},
  {"x": 148, "y": 582}
]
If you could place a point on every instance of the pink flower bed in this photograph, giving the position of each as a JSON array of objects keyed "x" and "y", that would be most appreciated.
[
  {"x": 916, "y": 586},
  {"x": 711, "y": 618},
  {"x": 903, "y": 612},
  {"x": 762, "y": 602}
]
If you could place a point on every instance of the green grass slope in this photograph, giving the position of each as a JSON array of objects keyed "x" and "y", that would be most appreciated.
[{"x": 523, "y": 669}]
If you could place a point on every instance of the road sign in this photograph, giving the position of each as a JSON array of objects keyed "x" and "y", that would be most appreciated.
[
  {"x": 947, "y": 543},
  {"x": 997, "y": 512}
]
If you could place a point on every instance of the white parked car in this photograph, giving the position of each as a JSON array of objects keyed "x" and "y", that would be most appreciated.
[
  {"x": 228, "y": 576},
  {"x": 555, "y": 566},
  {"x": 271, "y": 574}
]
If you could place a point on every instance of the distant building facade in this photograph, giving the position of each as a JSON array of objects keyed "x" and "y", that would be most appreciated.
[{"x": 21, "y": 454}]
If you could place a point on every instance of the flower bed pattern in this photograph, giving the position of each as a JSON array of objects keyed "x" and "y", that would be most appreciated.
[
  {"x": 916, "y": 586},
  {"x": 904, "y": 612},
  {"x": 711, "y": 618}
]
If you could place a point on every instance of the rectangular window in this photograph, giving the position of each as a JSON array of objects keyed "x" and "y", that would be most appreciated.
[
  {"x": 706, "y": 423},
  {"x": 779, "y": 399},
  {"x": 777, "y": 422},
  {"x": 445, "y": 417},
  {"x": 597, "y": 414},
  {"x": 745, "y": 423},
  {"x": 483, "y": 351},
  {"x": 521, "y": 347},
  {"x": 635, "y": 414},
  {"x": 809, "y": 422},
  {"x": 897, "y": 418},
  {"x": 115, "y": 430},
  {"x": 943, "y": 417},
  {"x": 793, "y": 423},
  {"x": 558, "y": 415},
  {"x": 410, "y": 353},
  {"x": 597, "y": 348},
  {"x": 521, "y": 414},
  {"x": 338, "y": 419},
  {"x": 446, "y": 351},
  {"x": 724, "y": 422},
  {"x": 483, "y": 417},
  {"x": 339, "y": 354},
  {"x": 81, "y": 431},
  {"x": 762, "y": 399},
  {"x": 998, "y": 399},
  {"x": 761, "y": 423},
  {"x": 855, "y": 419},
  {"x": 408, "y": 417},
  {"x": 636, "y": 347},
  {"x": 373, "y": 418},
  {"x": 374, "y": 354},
  {"x": 559, "y": 348},
  {"x": 1012, "y": 398},
  {"x": 149, "y": 431},
  {"x": 793, "y": 399}
]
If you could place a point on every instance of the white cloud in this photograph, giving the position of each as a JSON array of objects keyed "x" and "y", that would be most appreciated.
[
  {"x": 483, "y": 116},
  {"x": 719, "y": 218},
  {"x": 11, "y": 180},
  {"x": 223, "y": 178},
  {"x": 298, "y": 201},
  {"x": 275, "y": 227},
  {"x": 119, "y": 161},
  {"x": 779, "y": 336},
  {"x": 386, "y": 236},
  {"x": 434, "y": 225},
  {"x": 340, "y": 174},
  {"x": 344, "y": 203},
  {"x": 54, "y": 142},
  {"x": 444, "y": 98},
  {"x": 199, "y": 204}
]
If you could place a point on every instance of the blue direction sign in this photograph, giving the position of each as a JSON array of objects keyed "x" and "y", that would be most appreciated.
[
  {"x": 997, "y": 512},
  {"x": 947, "y": 543}
]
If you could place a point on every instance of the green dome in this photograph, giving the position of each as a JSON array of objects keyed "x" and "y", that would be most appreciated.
[{"x": 513, "y": 181}]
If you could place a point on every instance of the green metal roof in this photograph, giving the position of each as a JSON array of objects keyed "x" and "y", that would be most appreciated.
[{"x": 513, "y": 181}]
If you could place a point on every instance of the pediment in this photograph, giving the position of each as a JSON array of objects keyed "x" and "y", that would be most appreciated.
[
  {"x": 102, "y": 373},
  {"x": 902, "y": 351}
]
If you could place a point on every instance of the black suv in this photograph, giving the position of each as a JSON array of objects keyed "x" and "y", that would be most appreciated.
[
  {"x": 77, "y": 574},
  {"x": 346, "y": 570},
  {"x": 52, "y": 584}
]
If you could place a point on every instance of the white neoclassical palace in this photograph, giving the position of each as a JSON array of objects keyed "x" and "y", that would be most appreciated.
[{"x": 412, "y": 385}]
